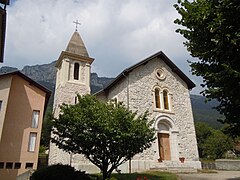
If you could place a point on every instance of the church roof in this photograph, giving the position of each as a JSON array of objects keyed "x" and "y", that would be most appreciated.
[
  {"x": 76, "y": 45},
  {"x": 163, "y": 57}
]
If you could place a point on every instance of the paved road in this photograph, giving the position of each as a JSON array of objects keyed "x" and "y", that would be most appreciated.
[{"x": 220, "y": 175}]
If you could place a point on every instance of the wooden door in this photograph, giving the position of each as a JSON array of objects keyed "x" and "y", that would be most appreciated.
[{"x": 164, "y": 146}]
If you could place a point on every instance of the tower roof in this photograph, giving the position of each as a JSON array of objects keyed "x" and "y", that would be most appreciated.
[{"x": 76, "y": 45}]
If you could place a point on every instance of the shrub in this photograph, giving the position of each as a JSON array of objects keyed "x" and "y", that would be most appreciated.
[{"x": 59, "y": 172}]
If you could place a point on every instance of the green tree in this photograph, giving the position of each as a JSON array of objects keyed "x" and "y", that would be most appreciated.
[
  {"x": 212, "y": 30},
  {"x": 46, "y": 129},
  {"x": 106, "y": 134},
  {"x": 203, "y": 131},
  {"x": 212, "y": 143},
  {"x": 216, "y": 145}
]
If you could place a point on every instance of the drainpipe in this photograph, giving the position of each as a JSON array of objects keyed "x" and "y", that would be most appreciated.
[{"x": 129, "y": 162}]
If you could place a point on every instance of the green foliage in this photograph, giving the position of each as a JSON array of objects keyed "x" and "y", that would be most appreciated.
[
  {"x": 46, "y": 129},
  {"x": 105, "y": 133},
  {"x": 42, "y": 149},
  {"x": 217, "y": 144},
  {"x": 212, "y": 30},
  {"x": 212, "y": 144},
  {"x": 59, "y": 172},
  {"x": 203, "y": 131}
]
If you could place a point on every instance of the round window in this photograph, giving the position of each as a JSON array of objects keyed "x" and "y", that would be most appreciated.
[{"x": 160, "y": 74}]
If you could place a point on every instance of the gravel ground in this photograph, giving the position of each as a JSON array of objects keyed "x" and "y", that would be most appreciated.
[{"x": 220, "y": 175}]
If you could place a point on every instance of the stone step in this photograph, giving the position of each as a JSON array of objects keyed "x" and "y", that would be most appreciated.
[
  {"x": 158, "y": 166},
  {"x": 182, "y": 169}
]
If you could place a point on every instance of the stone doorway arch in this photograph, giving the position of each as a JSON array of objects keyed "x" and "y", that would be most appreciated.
[
  {"x": 166, "y": 139},
  {"x": 163, "y": 142}
]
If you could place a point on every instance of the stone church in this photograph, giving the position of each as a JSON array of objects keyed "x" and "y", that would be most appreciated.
[{"x": 154, "y": 84}]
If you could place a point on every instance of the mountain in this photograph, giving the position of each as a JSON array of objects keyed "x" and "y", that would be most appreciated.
[
  {"x": 203, "y": 111},
  {"x": 45, "y": 74}
]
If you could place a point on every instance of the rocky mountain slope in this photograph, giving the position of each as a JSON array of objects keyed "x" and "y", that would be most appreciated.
[{"x": 45, "y": 74}]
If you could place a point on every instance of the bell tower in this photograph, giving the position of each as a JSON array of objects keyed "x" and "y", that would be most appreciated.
[
  {"x": 73, "y": 77},
  {"x": 73, "y": 72}
]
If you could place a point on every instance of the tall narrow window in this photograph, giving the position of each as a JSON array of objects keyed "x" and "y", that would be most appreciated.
[
  {"x": 32, "y": 142},
  {"x": 75, "y": 99},
  {"x": 35, "y": 119},
  {"x": 157, "y": 98},
  {"x": 165, "y": 100},
  {"x": 0, "y": 105},
  {"x": 76, "y": 71}
]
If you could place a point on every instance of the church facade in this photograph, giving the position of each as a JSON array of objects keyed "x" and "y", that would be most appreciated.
[{"x": 156, "y": 85}]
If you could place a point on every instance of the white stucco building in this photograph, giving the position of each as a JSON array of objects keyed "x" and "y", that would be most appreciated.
[{"x": 156, "y": 85}]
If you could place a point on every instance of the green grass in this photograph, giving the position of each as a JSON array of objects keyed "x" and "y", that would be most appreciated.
[{"x": 150, "y": 175}]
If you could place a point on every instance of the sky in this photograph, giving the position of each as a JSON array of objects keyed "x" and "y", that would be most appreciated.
[{"x": 116, "y": 33}]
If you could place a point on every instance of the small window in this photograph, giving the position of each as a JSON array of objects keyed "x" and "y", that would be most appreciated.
[
  {"x": 29, "y": 166},
  {"x": 160, "y": 74},
  {"x": 35, "y": 119},
  {"x": 115, "y": 100},
  {"x": 76, "y": 100},
  {"x": 1, "y": 165},
  {"x": 165, "y": 100},
  {"x": 9, "y": 165},
  {"x": 157, "y": 98},
  {"x": 0, "y": 105},
  {"x": 17, "y": 165},
  {"x": 76, "y": 71},
  {"x": 32, "y": 142}
]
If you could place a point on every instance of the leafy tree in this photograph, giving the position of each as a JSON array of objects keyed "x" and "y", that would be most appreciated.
[
  {"x": 106, "y": 134},
  {"x": 212, "y": 144},
  {"x": 216, "y": 145},
  {"x": 46, "y": 129},
  {"x": 203, "y": 131},
  {"x": 212, "y": 30}
]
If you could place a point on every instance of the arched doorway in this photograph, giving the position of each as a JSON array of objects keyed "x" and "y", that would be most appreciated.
[
  {"x": 167, "y": 139},
  {"x": 164, "y": 141}
]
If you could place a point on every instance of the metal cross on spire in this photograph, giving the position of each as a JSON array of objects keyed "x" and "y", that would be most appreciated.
[{"x": 77, "y": 23}]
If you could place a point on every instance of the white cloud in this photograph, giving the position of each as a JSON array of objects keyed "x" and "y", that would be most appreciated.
[{"x": 116, "y": 33}]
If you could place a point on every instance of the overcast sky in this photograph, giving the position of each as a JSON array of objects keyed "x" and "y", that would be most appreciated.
[{"x": 117, "y": 33}]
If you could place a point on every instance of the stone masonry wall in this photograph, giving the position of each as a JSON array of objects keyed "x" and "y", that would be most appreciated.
[
  {"x": 64, "y": 94},
  {"x": 141, "y": 92}
]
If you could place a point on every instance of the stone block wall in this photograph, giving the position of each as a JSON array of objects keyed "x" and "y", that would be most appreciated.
[
  {"x": 227, "y": 164},
  {"x": 140, "y": 85}
]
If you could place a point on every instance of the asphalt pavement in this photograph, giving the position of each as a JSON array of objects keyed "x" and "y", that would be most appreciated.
[{"x": 218, "y": 175}]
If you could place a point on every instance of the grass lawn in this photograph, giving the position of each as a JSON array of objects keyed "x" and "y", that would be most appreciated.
[{"x": 150, "y": 175}]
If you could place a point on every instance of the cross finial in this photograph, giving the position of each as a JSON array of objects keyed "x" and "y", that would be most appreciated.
[{"x": 77, "y": 23}]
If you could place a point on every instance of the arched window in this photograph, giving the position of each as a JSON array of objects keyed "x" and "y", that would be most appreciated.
[
  {"x": 165, "y": 100},
  {"x": 76, "y": 71},
  {"x": 157, "y": 98}
]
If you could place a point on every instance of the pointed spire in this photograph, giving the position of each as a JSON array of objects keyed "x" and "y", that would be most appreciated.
[{"x": 76, "y": 45}]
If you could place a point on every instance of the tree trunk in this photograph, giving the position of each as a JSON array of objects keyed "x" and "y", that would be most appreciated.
[{"x": 106, "y": 173}]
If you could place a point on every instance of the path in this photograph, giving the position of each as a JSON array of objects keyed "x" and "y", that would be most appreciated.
[{"x": 220, "y": 175}]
